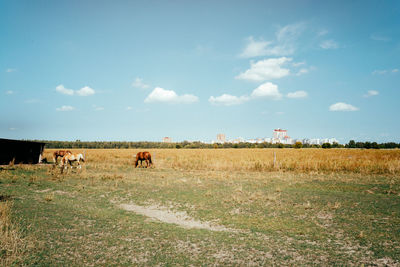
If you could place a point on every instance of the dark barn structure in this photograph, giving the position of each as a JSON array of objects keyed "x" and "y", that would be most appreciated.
[{"x": 20, "y": 151}]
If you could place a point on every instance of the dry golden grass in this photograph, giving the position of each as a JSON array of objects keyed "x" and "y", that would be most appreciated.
[
  {"x": 257, "y": 160},
  {"x": 10, "y": 242}
]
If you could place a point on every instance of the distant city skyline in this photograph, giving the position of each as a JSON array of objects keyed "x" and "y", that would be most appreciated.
[
  {"x": 143, "y": 70},
  {"x": 277, "y": 136}
]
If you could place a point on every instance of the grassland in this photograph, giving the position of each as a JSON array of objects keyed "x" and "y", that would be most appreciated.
[{"x": 312, "y": 207}]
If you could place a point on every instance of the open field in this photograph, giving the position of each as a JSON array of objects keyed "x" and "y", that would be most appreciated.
[{"x": 205, "y": 207}]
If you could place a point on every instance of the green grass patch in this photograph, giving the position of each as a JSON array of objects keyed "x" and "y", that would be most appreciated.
[{"x": 272, "y": 218}]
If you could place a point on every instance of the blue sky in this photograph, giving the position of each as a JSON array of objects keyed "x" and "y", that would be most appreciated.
[{"x": 142, "y": 70}]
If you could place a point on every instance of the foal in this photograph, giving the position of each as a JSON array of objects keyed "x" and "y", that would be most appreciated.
[{"x": 69, "y": 158}]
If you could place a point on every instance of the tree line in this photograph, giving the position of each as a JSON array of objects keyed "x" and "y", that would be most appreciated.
[{"x": 195, "y": 145}]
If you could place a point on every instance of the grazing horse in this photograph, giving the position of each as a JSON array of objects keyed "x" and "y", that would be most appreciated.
[
  {"x": 60, "y": 153},
  {"x": 69, "y": 158},
  {"x": 146, "y": 156}
]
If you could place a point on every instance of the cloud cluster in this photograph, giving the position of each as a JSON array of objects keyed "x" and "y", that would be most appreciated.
[
  {"x": 169, "y": 96},
  {"x": 266, "y": 90},
  {"x": 84, "y": 91}
]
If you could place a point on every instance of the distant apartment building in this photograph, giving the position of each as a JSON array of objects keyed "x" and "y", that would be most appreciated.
[
  {"x": 268, "y": 140},
  {"x": 221, "y": 138},
  {"x": 167, "y": 140},
  {"x": 237, "y": 140},
  {"x": 279, "y": 136}
]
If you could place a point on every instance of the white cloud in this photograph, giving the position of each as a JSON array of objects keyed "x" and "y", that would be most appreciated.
[
  {"x": 255, "y": 48},
  {"x": 169, "y": 96},
  {"x": 9, "y": 92},
  {"x": 85, "y": 91},
  {"x": 298, "y": 64},
  {"x": 138, "y": 83},
  {"x": 329, "y": 44},
  {"x": 302, "y": 71},
  {"x": 65, "y": 108},
  {"x": 290, "y": 32},
  {"x": 12, "y": 129},
  {"x": 322, "y": 32},
  {"x": 284, "y": 43},
  {"x": 10, "y": 70},
  {"x": 61, "y": 89},
  {"x": 297, "y": 94},
  {"x": 128, "y": 108},
  {"x": 371, "y": 93},
  {"x": 379, "y": 37},
  {"x": 382, "y": 72},
  {"x": 340, "y": 106},
  {"x": 267, "y": 90},
  {"x": 227, "y": 100},
  {"x": 266, "y": 69}
]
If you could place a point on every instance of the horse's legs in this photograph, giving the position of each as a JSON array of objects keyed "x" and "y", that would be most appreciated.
[{"x": 64, "y": 167}]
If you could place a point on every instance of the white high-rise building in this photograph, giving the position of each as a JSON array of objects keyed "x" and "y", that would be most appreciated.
[
  {"x": 221, "y": 138},
  {"x": 279, "y": 134}
]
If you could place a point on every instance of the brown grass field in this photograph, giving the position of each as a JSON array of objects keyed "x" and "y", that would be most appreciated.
[
  {"x": 261, "y": 160},
  {"x": 224, "y": 207}
]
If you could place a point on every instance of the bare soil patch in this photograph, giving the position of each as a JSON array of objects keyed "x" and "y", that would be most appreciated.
[{"x": 165, "y": 215}]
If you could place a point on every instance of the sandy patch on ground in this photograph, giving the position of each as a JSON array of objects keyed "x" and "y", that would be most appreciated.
[
  {"x": 43, "y": 191},
  {"x": 179, "y": 218}
]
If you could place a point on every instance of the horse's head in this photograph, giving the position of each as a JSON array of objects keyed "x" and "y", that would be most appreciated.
[{"x": 81, "y": 158}]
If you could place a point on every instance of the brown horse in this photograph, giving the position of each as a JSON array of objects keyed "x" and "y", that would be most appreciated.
[
  {"x": 143, "y": 156},
  {"x": 61, "y": 154}
]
